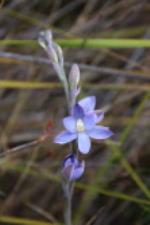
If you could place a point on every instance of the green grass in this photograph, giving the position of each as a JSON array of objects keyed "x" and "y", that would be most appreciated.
[
  {"x": 22, "y": 221},
  {"x": 84, "y": 43},
  {"x": 54, "y": 85}
]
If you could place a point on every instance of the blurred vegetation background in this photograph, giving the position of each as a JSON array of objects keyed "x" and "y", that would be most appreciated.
[{"x": 115, "y": 188}]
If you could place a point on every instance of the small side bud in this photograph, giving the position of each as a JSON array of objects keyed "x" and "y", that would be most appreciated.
[
  {"x": 74, "y": 75},
  {"x": 72, "y": 168},
  {"x": 74, "y": 78}
]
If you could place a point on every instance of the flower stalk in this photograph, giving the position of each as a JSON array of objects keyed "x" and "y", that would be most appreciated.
[{"x": 71, "y": 163}]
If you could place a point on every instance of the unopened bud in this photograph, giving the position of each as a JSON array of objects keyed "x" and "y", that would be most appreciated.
[
  {"x": 45, "y": 37},
  {"x": 46, "y": 42},
  {"x": 74, "y": 75},
  {"x": 59, "y": 53},
  {"x": 72, "y": 168},
  {"x": 74, "y": 78}
]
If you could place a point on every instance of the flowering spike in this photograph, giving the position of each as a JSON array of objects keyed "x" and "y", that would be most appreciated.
[{"x": 72, "y": 168}]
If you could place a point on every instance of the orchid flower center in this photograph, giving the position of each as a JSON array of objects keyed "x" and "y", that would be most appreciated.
[{"x": 80, "y": 125}]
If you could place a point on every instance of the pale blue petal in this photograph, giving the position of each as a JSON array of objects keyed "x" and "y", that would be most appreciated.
[
  {"x": 65, "y": 137},
  {"x": 89, "y": 121},
  {"x": 100, "y": 132},
  {"x": 70, "y": 124},
  {"x": 77, "y": 111},
  {"x": 84, "y": 143},
  {"x": 88, "y": 104}
]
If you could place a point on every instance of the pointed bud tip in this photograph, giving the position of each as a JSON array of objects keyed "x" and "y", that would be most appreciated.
[
  {"x": 74, "y": 76},
  {"x": 45, "y": 38}
]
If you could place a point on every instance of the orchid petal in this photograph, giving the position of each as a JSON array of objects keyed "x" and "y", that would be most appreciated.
[
  {"x": 89, "y": 121},
  {"x": 65, "y": 137},
  {"x": 84, "y": 143},
  {"x": 77, "y": 111},
  {"x": 100, "y": 132},
  {"x": 70, "y": 123},
  {"x": 88, "y": 104}
]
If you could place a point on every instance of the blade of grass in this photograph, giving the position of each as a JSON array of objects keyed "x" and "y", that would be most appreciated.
[
  {"x": 28, "y": 84},
  {"x": 52, "y": 85},
  {"x": 22, "y": 221},
  {"x": 85, "y": 43},
  {"x": 17, "y": 43},
  {"x": 104, "y": 43}
]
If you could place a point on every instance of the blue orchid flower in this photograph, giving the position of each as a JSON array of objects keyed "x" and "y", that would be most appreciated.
[{"x": 82, "y": 125}]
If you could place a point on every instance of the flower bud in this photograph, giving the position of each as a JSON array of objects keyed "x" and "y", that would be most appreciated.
[
  {"x": 46, "y": 41},
  {"x": 59, "y": 53},
  {"x": 45, "y": 37},
  {"x": 72, "y": 168},
  {"x": 74, "y": 76}
]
